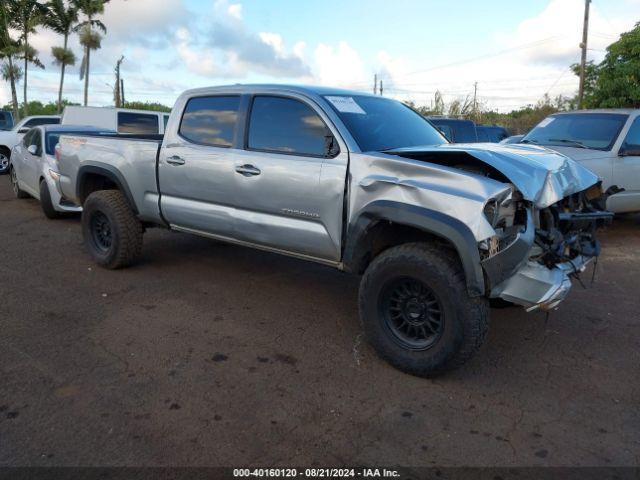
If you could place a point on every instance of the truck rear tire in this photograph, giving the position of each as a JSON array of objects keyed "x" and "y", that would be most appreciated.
[
  {"x": 416, "y": 312},
  {"x": 45, "y": 202},
  {"x": 111, "y": 231}
]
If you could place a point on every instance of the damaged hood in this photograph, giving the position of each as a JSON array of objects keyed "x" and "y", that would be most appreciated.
[{"x": 543, "y": 176}]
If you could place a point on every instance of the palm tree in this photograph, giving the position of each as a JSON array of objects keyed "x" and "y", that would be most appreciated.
[
  {"x": 8, "y": 50},
  {"x": 62, "y": 19},
  {"x": 89, "y": 38},
  {"x": 25, "y": 16}
]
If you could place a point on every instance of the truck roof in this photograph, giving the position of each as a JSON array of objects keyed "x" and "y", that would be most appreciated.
[{"x": 250, "y": 88}]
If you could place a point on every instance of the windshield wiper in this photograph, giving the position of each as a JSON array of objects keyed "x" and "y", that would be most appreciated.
[
  {"x": 573, "y": 143},
  {"x": 526, "y": 140}
]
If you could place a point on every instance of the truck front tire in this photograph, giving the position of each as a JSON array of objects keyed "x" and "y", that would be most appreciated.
[
  {"x": 416, "y": 312},
  {"x": 112, "y": 233}
]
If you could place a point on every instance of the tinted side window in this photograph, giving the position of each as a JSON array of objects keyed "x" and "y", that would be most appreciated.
[
  {"x": 27, "y": 139},
  {"x": 138, "y": 123},
  {"x": 286, "y": 125},
  {"x": 37, "y": 141},
  {"x": 210, "y": 120},
  {"x": 632, "y": 140},
  {"x": 34, "y": 122},
  {"x": 165, "y": 118}
]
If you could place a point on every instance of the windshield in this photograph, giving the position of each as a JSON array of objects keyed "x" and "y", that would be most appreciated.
[
  {"x": 379, "y": 124},
  {"x": 597, "y": 131}
]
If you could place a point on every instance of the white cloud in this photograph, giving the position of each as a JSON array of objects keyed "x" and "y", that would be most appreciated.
[
  {"x": 235, "y": 10},
  {"x": 299, "y": 49},
  {"x": 339, "y": 66},
  {"x": 558, "y": 31},
  {"x": 5, "y": 94},
  {"x": 200, "y": 62},
  {"x": 224, "y": 47},
  {"x": 274, "y": 40}
]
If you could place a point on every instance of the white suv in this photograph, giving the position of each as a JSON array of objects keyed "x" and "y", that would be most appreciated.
[{"x": 11, "y": 138}]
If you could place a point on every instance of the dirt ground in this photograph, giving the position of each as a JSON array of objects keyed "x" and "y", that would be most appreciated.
[{"x": 208, "y": 354}]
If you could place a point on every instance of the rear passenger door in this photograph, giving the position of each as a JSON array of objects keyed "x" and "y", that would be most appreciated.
[
  {"x": 28, "y": 171},
  {"x": 196, "y": 167},
  {"x": 290, "y": 187}
]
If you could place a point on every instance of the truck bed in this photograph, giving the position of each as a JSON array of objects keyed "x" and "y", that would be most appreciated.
[{"x": 129, "y": 160}]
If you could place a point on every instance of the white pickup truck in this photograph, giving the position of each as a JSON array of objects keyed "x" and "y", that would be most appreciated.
[{"x": 607, "y": 142}]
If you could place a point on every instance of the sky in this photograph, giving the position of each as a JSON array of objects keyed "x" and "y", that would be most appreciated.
[{"x": 516, "y": 51}]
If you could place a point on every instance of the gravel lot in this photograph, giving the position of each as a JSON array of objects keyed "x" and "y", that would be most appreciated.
[{"x": 210, "y": 354}]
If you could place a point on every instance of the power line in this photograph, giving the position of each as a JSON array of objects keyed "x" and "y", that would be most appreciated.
[{"x": 473, "y": 59}]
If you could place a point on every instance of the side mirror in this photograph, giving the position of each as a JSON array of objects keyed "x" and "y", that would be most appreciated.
[
  {"x": 33, "y": 150},
  {"x": 24, "y": 130},
  {"x": 331, "y": 147},
  {"x": 629, "y": 151}
]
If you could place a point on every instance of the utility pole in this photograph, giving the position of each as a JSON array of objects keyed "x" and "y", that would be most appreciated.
[
  {"x": 375, "y": 83},
  {"x": 583, "y": 45},
  {"x": 117, "y": 93},
  {"x": 381, "y": 87},
  {"x": 475, "y": 101},
  {"x": 124, "y": 103}
]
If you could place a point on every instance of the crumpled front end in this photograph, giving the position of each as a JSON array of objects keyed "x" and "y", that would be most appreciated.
[{"x": 531, "y": 262}]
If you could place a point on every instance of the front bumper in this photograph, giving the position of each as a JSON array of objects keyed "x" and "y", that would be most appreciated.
[{"x": 535, "y": 286}]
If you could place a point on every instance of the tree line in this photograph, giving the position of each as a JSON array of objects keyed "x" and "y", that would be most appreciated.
[{"x": 19, "y": 19}]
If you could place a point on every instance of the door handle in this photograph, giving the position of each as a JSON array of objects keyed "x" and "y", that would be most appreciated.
[
  {"x": 248, "y": 170},
  {"x": 175, "y": 160}
]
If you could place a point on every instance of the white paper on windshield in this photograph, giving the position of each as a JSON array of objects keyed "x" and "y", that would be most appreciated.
[
  {"x": 546, "y": 122},
  {"x": 346, "y": 105}
]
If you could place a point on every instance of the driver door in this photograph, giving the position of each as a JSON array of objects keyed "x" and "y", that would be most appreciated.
[
  {"x": 626, "y": 172},
  {"x": 31, "y": 161}
]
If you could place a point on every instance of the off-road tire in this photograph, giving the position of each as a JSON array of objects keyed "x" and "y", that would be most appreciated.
[
  {"x": 465, "y": 319},
  {"x": 14, "y": 184},
  {"x": 45, "y": 202},
  {"x": 110, "y": 208}
]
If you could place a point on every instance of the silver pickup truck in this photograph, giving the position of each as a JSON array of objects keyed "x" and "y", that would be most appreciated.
[{"x": 358, "y": 182}]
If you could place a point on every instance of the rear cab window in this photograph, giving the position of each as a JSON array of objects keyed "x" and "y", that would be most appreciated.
[
  {"x": 138, "y": 123},
  {"x": 34, "y": 122},
  {"x": 210, "y": 120},
  {"x": 287, "y": 126}
]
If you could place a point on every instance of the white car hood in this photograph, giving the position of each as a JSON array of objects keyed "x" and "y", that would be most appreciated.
[{"x": 579, "y": 154}]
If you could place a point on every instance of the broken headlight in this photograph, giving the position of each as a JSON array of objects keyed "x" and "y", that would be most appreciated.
[{"x": 492, "y": 212}]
